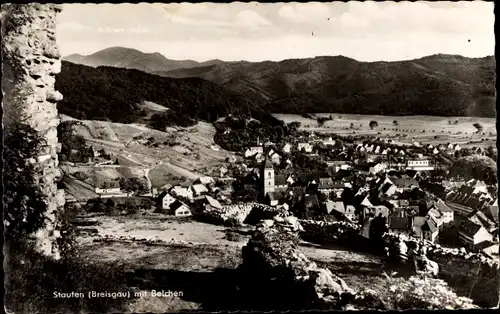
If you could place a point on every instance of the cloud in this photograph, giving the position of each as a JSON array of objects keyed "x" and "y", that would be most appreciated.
[{"x": 252, "y": 19}]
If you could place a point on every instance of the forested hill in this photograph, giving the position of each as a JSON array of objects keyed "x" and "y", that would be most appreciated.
[
  {"x": 443, "y": 85},
  {"x": 106, "y": 93}
]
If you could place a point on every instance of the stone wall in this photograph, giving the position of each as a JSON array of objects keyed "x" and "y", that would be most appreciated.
[
  {"x": 277, "y": 271},
  {"x": 470, "y": 274},
  {"x": 31, "y": 59}
]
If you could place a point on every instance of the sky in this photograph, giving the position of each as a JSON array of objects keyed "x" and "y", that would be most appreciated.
[{"x": 365, "y": 31}]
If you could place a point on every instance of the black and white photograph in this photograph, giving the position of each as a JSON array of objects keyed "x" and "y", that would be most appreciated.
[{"x": 246, "y": 156}]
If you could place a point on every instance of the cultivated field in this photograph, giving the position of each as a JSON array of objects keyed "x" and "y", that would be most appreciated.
[
  {"x": 424, "y": 129},
  {"x": 182, "y": 152}
]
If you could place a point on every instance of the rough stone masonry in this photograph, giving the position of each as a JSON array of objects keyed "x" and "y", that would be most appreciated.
[{"x": 30, "y": 61}]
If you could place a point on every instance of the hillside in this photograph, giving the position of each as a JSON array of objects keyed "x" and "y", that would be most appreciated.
[
  {"x": 435, "y": 85},
  {"x": 116, "y": 94},
  {"x": 128, "y": 58}
]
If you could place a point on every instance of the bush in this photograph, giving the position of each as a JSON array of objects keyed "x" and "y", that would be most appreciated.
[
  {"x": 232, "y": 223},
  {"x": 32, "y": 280},
  {"x": 419, "y": 293}
]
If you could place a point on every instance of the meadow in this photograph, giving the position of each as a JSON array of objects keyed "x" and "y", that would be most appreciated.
[{"x": 404, "y": 129}]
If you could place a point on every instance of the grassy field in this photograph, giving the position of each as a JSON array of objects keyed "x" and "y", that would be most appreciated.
[
  {"x": 182, "y": 152},
  {"x": 162, "y": 252},
  {"x": 425, "y": 129}
]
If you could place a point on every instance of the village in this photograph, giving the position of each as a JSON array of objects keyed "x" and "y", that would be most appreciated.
[{"x": 380, "y": 186}]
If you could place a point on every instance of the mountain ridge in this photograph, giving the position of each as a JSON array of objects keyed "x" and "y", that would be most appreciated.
[{"x": 438, "y": 84}]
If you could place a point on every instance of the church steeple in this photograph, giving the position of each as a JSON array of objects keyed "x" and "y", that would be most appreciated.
[{"x": 268, "y": 176}]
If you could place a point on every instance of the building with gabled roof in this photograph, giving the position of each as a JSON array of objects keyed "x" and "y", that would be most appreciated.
[{"x": 471, "y": 234}]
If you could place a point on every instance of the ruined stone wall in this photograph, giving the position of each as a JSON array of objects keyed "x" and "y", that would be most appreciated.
[
  {"x": 30, "y": 61},
  {"x": 470, "y": 274}
]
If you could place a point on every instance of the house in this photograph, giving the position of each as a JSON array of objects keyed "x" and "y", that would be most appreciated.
[
  {"x": 260, "y": 157},
  {"x": 376, "y": 211},
  {"x": 419, "y": 165},
  {"x": 372, "y": 167},
  {"x": 447, "y": 212},
  {"x": 457, "y": 148},
  {"x": 199, "y": 189},
  {"x": 472, "y": 234},
  {"x": 405, "y": 184},
  {"x": 430, "y": 230},
  {"x": 222, "y": 171},
  {"x": 167, "y": 187},
  {"x": 280, "y": 182},
  {"x": 180, "y": 191},
  {"x": 273, "y": 198},
  {"x": 327, "y": 188},
  {"x": 287, "y": 148},
  {"x": 350, "y": 213},
  {"x": 105, "y": 185},
  {"x": 205, "y": 180},
  {"x": 337, "y": 211},
  {"x": 311, "y": 200},
  {"x": 270, "y": 152},
  {"x": 211, "y": 203},
  {"x": 304, "y": 147},
  {"x": 179, "y": 209},
  {"x": 399, "y": 225},
  {"x": 252, "y": 151},
  {"x": 329, "y": 142},
  {"x": 165, "y": 199},
  {"x": 435, "y": 151},
  {"x": 290, "y": 180},
  {"x": 275, "y": 158},
  {"x": 480, "y": 218}
]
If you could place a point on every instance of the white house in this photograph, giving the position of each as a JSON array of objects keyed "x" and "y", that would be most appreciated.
[
  {"x": 259, "y": 157},
  {"x": 212, "y": 203},
  {"x": 305, "y": 146},
  {"x": 205, "y": 180},
  {"x": 471, "y": 234},
  {"x": 253, "y": 151},
  {"x": 166, "y": 199},
  {"x": 199, "y": 189},
  {"x": 180, "y": 209},
  {"x": 419, "y": 165},
  {"x": 180, "y": 191},
  {"x": 329, "y": 142},
  {"x": 275, "y": 158},
  {"x": 287, "y": 148}
]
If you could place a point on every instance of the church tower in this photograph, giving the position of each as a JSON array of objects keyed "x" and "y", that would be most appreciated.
[{"x": 268, "y": 177}]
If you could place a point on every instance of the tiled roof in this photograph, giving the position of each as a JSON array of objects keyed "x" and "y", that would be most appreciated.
[
  {"x": 268, "y": 164},
  {"x": 470, "y": 228},
  {"x": 279, "y": 179},
  {"x": 442, "y": 206},
  {"x": 401, "y": 223},
  {"x": 312, "y": 199},
  {"x": 275, "y": 196},
  {"x": 176, "y": 205},
  {"x": 213, "y": 202},
  {"x": 405, "y": 183}
]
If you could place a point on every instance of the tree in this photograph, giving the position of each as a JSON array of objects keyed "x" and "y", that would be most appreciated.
[
  {"x": 478, "y": 126},
  {"x": 395, "y": 122},
  {"x": 351, "y": 126},
  {"x": 24, "y": 208},
  {"x": 373, "y": 124},
  {"x": 133, "y": 185}
]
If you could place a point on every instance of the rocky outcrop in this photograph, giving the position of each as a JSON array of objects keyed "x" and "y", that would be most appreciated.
[
  {"x": 31, "y": 59},
  {"x": 474, "y": 274},
  {"x": 240, "y": 212},
  {"x": 276, "y": 269}
]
